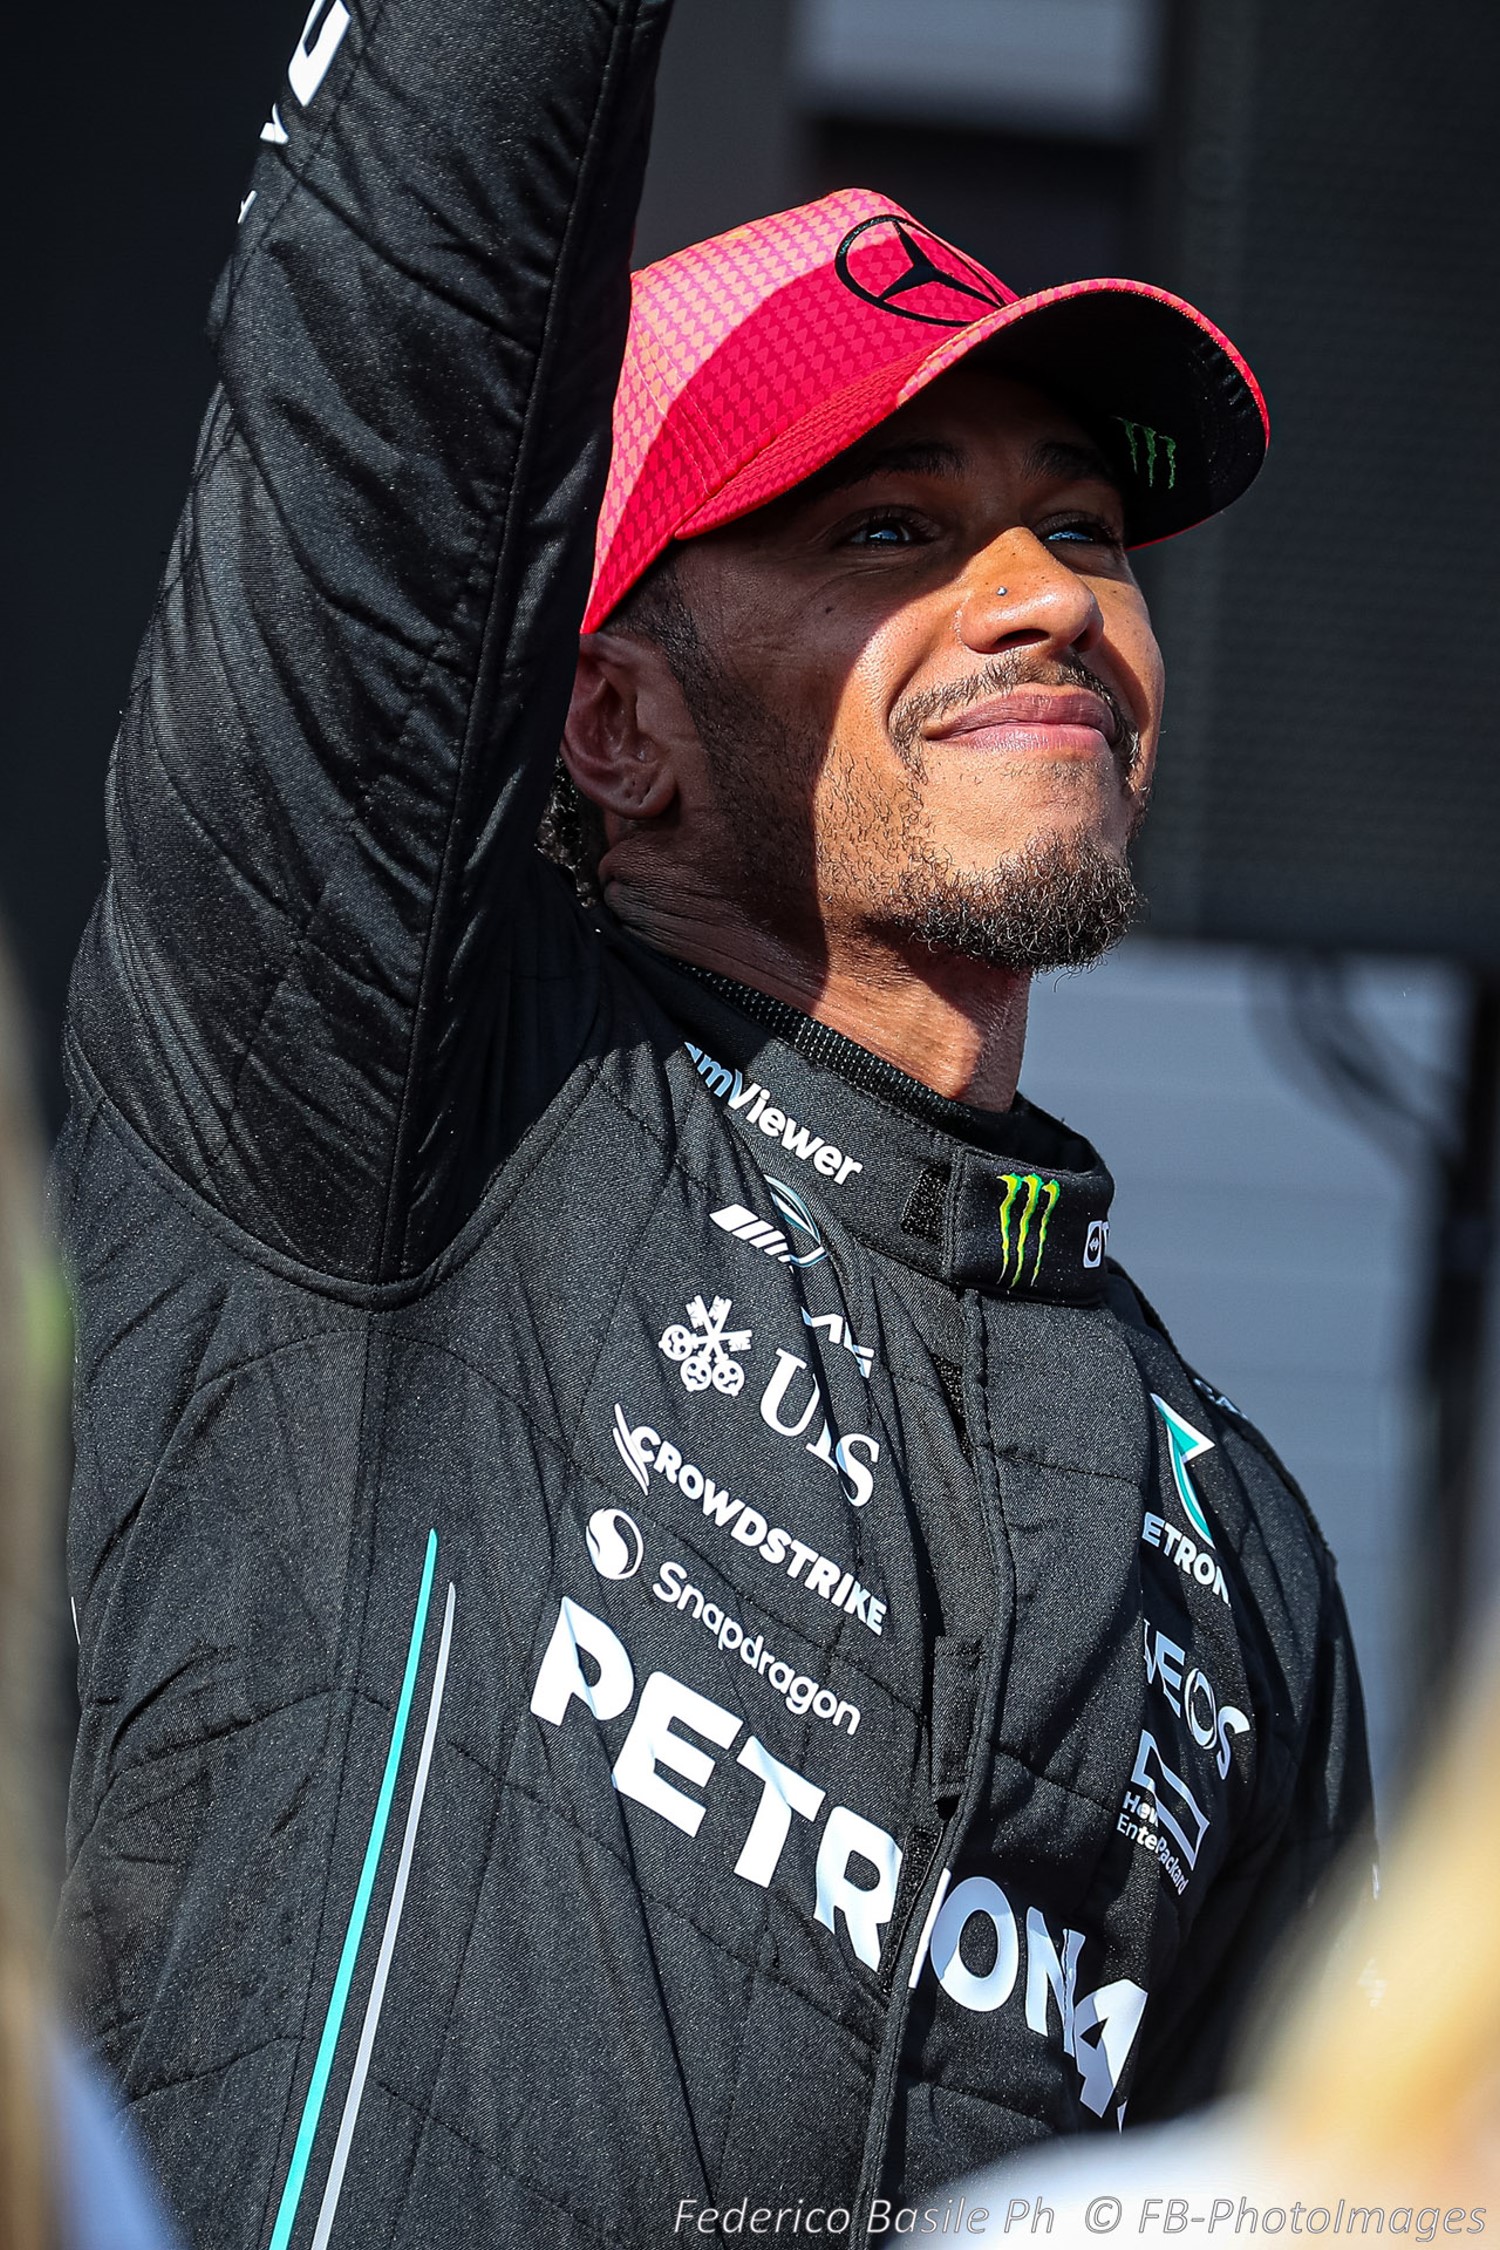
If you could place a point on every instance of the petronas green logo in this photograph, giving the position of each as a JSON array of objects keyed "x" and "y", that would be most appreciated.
[{"x": 1022, "y": 1233}]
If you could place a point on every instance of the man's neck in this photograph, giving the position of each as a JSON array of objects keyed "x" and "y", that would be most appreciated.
[{"x": 954, "y": 1025}]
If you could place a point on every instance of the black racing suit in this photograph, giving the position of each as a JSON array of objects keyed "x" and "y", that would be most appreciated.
[{"x": 658, "y": 1626}]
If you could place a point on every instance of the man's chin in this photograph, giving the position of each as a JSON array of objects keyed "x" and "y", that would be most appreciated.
[{"x": 1059, "y": 903}]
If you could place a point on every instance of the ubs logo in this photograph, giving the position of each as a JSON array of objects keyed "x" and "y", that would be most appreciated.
[{"x": 891, "y": 263}]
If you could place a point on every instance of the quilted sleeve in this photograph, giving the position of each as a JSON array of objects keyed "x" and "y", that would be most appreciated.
[{"x": 342, "y": 722}]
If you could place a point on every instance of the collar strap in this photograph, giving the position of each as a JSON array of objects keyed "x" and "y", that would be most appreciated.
[{"x": 1012, "y": 1202}]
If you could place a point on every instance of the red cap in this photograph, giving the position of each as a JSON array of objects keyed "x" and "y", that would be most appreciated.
[{"x": 755, "y": 357}]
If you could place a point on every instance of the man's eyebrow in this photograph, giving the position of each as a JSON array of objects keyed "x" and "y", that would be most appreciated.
[
  {"x": 1066, "y": 457},
  {"x": 916, "y": 457},
  {"x": 1070, "y": 458}
]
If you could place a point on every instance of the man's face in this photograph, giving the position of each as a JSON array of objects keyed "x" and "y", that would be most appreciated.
[{"x": 931, "y": 694}]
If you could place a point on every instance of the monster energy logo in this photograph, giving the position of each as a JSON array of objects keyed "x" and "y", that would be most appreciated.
[
  {"x": 1025, "y": 1190},
  {"x": 1149, "y": 449}
]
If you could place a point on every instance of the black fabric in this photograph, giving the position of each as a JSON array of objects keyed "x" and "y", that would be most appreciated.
[
  {"x": 923, "y": 1215},
  {"x": 1012, "y": 1201},
  {"x": 612, "y": 1670},
  {"x": 1009, "y": 1134}
]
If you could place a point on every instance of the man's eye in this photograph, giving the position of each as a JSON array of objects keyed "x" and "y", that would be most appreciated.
[
  {"x": 882, "y": 531},
  {"x": 1084, "y": 531}
]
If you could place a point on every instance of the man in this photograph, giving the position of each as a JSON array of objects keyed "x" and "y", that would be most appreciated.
[{"x": 660, "y": 1633}]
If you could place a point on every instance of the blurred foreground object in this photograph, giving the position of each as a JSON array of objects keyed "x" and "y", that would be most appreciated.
[
  {"x": 68, "y": 2179},
  {"x": 1405, "y": 2101},
  {"x": 30, "y": 1408}
]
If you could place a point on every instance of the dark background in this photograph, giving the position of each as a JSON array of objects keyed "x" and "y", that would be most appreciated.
[{"x": 130, "y": 132}]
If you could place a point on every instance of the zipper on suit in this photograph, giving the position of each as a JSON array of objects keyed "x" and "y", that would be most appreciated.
[{"x": 907, "y": 1949}]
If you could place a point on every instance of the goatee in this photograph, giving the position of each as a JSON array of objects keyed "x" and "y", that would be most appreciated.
[{"x": 1059, "y": 903}]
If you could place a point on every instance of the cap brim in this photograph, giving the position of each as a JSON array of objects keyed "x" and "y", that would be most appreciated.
[{"x": 1160, "y": 388}]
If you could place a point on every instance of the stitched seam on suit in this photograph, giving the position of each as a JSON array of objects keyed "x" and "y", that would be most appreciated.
[
  {"x": 295, "y": 175},
  {"x": 393, "y": 1221},
  {"x": 212, "y": 455},
  {"x": 359, "y": 1296},
  {"x": 728, "y": 1946},
  {"x": 136, "y": 2092},
  {"x": 202, "y": 1390},
  {"x": 428, "y": 2115}
]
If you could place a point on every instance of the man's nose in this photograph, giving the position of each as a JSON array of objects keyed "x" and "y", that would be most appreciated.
[{"x": 1021, "y": 594}]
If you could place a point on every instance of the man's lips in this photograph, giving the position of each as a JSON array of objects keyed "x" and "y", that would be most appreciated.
[{"x": 1056, "y": 720}]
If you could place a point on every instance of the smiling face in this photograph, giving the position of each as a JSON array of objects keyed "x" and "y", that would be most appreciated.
[{"x": 926, "y": 689}]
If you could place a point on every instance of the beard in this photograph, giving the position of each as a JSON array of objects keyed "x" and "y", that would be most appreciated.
[{"x": 1059, "y": 901}]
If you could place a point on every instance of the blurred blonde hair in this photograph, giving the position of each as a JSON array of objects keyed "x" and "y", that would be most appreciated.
[
  {"x": 1385, "y": 2070},
  {"x": 32, "y": 1322}
]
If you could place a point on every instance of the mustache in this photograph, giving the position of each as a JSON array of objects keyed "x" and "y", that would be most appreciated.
[{"x": 1015, "y": 668}]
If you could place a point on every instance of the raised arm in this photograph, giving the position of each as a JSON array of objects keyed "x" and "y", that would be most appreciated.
[{"x": 344, "y": 715}]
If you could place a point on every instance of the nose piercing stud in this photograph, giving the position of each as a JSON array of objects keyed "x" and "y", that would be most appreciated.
[{"x": 1002, "y": 589}]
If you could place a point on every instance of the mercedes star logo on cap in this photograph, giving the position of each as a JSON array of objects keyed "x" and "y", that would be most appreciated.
[{"x": 907, "y": 271}]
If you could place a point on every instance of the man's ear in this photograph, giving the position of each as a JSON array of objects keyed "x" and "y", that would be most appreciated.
[{"x": 627, "y": 727}]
